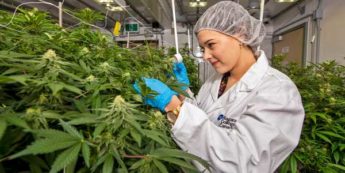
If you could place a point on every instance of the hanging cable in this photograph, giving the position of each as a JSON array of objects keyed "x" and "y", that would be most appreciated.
[
  {"x": 106, "y": 19},
  {"x": 60, "y": 13},
  {"x": 262, "y": 8},
  {"x": 175, "y": 27}
]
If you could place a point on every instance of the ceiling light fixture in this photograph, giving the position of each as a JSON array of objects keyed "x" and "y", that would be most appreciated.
[
  {"x": 114, "y": 8},
  {"x": 282, "y": 1},
  {"x": 105, "y": 1},
  {"x": 197, "y": 3},
  {"x": 110, "y": 5}
]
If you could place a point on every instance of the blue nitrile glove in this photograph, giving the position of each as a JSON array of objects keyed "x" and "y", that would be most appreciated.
[
  {"x": 180, "y": 72},
  {"x": 164, "y": 96}
]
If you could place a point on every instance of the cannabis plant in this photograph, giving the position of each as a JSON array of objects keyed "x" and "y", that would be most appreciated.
[
  {"x": 322, "y": 144},
  {"x": 67, "y": 102}
]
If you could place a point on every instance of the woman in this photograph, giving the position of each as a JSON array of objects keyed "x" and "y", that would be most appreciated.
[{"x": 248, "y": 116}]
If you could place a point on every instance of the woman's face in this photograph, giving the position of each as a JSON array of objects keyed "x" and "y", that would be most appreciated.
[{"x": 221, "y": 50}]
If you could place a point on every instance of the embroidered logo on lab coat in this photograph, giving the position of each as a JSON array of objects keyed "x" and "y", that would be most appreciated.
[{"x": 226, "y": 122}]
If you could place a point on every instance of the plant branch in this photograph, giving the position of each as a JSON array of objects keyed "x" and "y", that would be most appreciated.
[{"x": 134, "y": 156}]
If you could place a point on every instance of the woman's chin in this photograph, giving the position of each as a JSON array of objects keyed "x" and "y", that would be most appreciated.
[{"x": 220, "y": 70}]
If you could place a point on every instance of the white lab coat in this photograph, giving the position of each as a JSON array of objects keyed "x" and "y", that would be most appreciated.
[{"x": 251, "y": 128}]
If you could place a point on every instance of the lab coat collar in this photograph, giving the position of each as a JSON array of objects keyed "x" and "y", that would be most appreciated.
[
  {"x": 215, "y": 86},
  {"x": 248, "y": 81},
  {"x": 255, "y": 73}
]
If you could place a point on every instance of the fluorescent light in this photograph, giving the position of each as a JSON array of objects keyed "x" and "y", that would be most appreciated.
[
  {"x": 197, "y": 4},
  {"x": 105, "y": 1},
  {"x": 282, "y": 1},
  {"x": 113, "y": 8}
]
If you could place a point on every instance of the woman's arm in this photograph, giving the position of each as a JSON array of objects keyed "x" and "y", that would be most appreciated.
[{"x": 266, "y": 133}]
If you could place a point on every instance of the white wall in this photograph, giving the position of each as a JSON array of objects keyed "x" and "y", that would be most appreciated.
[
  {"x": 294, "y": 18},
  {"x": 332, "y": 33}
]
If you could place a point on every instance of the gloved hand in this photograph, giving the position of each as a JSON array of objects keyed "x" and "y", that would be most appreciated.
[
  {"x": 180, "y": 72},
  {"x": 162, "y": 99}
]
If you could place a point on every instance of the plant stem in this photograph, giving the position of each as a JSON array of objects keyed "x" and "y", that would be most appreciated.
[{"x": 134, "y": 156}]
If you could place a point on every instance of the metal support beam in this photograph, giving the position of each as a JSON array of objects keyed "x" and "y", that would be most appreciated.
[
  {"x": 75, "y": 4},
  {"x": 161, "y": 11},
  {"x": 182, "y": 12},
  {"x": 131, "y": 6},
  {"x": 7, "y": 7}
]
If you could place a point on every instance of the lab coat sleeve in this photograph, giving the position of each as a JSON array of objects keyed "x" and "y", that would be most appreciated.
[{"x": 265, "y": 134}]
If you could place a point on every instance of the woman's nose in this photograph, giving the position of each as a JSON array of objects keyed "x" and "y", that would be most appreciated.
[{"x": 206, "y": 55}]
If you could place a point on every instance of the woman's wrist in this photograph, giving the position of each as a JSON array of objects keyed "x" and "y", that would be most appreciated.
[
  {"x": 174, "y": 104},
  {"x": 173, "y": 109},
  {"x": 181, "y": 97}
]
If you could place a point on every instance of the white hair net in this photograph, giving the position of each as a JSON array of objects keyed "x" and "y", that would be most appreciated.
[{"x": 232, "y": 19}]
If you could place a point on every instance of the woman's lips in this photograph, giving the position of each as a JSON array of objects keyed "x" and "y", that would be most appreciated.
[{"x": 214, "y": 63}]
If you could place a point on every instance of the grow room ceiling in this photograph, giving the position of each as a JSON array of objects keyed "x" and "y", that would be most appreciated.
[{"x": 146, "y": 11}]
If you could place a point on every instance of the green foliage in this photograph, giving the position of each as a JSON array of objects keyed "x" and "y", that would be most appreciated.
[
  {"x": 65, "y": 158},
  {"x": 88, "y": 15},
  {"x": 67, "y": 102},
  {"x": 322, "y": 144}
]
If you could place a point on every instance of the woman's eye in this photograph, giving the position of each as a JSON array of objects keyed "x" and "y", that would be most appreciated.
[{"x": 210, "y": 45}]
